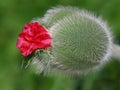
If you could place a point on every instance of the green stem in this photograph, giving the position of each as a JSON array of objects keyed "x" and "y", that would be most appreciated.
[{"x": 116, "y": 51}]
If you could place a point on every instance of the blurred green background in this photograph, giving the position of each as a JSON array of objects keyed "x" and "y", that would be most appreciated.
[{"x": 15, "y": 13}]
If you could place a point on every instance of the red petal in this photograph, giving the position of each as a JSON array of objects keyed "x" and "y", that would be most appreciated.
[{"x": 33, "y": 36}]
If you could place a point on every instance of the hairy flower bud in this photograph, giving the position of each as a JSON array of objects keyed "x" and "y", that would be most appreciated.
[{"x": 81, "y": 42}]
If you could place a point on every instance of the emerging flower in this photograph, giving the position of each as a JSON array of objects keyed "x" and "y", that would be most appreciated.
[{"x": 33, "y": 36}]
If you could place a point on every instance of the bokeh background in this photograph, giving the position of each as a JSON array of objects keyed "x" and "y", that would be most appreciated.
[{"x": 15, "y": 13}]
